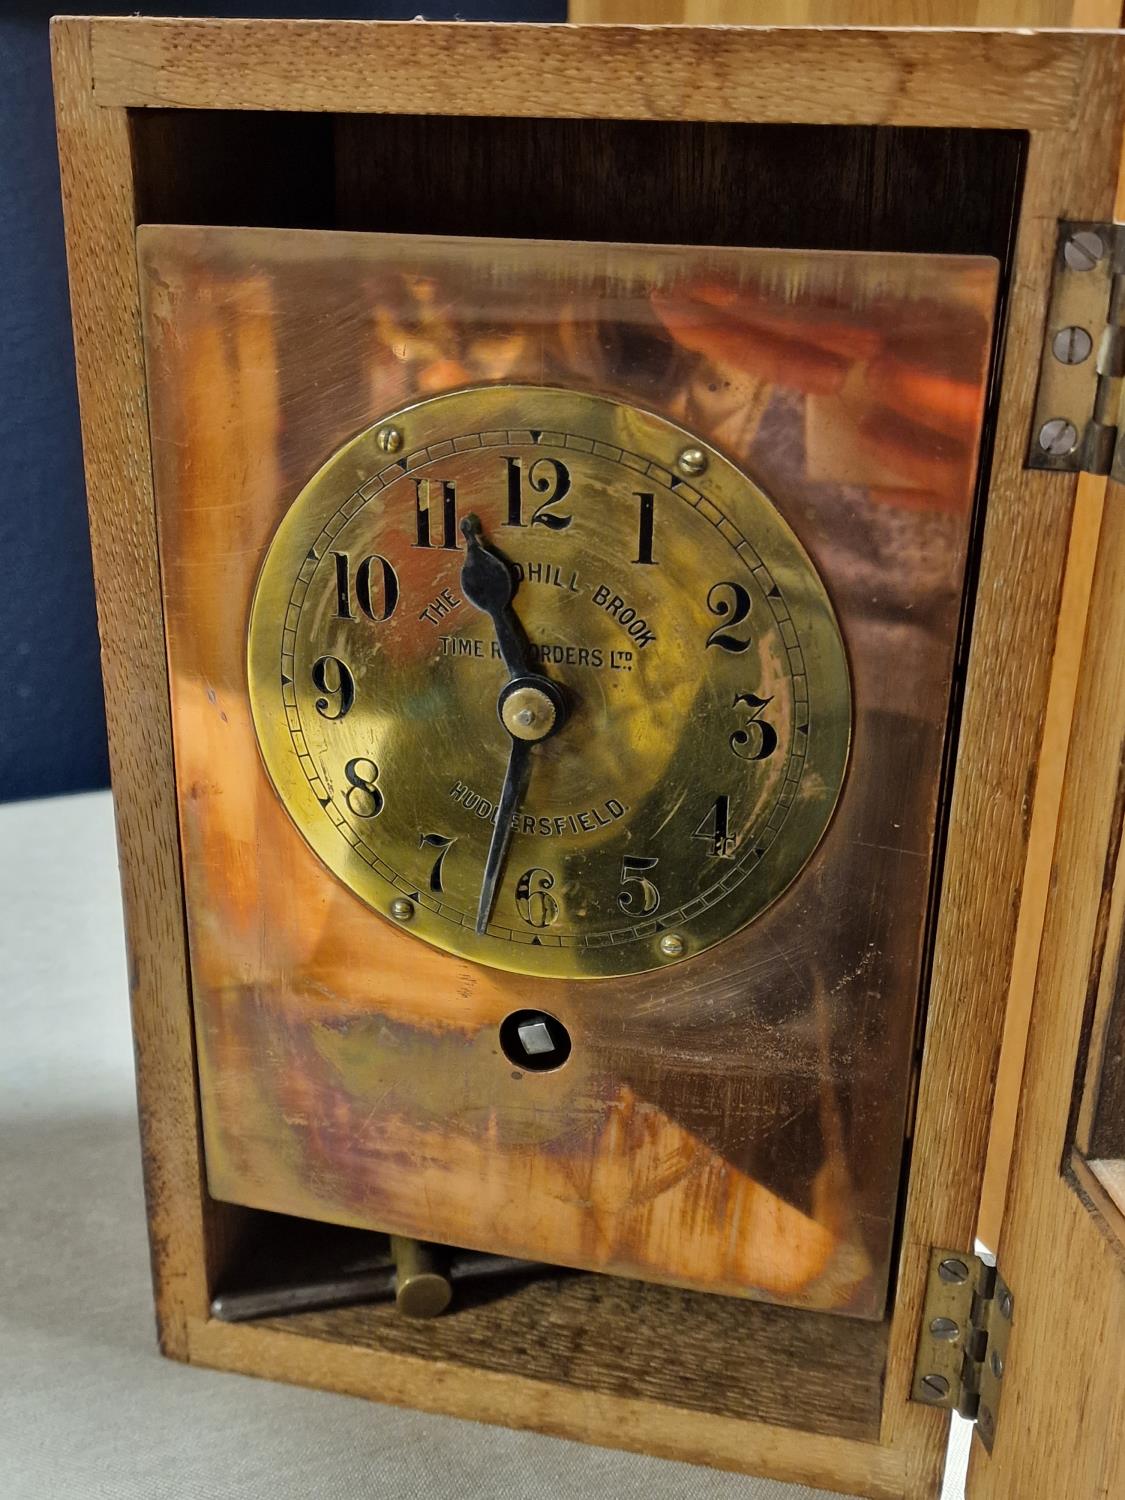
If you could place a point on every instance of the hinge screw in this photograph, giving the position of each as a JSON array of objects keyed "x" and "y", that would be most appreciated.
[
  {"x": 945, "y": 1329},
  {"x": 997, "y": 1363},
  {"x": 1058, "y": 437},
  {"x": 935, "y": 1387},
  {"x": 1071, "y": 346},
  {"x": 1005, "y": 1304},
  {"x": 1083, "y": 250},
  {"x": 955, "y": 1272}
]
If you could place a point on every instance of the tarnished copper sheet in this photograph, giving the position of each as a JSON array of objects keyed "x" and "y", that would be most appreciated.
[{"x": 734, "y": 1123}]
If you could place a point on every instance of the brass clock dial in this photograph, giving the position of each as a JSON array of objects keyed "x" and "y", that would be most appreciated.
[{"x": 668, "y": 735}]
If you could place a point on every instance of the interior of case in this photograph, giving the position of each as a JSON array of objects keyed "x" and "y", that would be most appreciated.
[{"x": 810, "y": 187}]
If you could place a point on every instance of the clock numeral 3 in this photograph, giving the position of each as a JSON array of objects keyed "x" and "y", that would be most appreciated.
[
  {"x": 331, "y": 677},
  {"x": 643, "y": 901},
  {"x": 756, "y": 740},
  {"x": 429, "y": 494},
  {"x": 365, "y": 595},
  {"x": 715, "y": 830},
  {"x": 533, "y": 900},
  {"x": 364, "y": 798},
  {"x": 442, "y": 845},
  {"x": 732, "y": 602},
  {"x": 546, "y": 477}
]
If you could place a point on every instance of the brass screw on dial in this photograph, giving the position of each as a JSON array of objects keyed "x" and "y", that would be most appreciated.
[
  {"x": 528, "y": 714},
  {"x": 692, "y": 461}
]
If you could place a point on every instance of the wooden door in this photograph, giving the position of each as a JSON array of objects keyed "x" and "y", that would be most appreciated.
[{"x": 1061, "y": 1420}]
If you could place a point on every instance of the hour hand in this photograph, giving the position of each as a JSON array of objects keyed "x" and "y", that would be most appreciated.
[{"x": 488, "y": 583}]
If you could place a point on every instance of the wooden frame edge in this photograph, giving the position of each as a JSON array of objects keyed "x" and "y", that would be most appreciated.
[
  {"x": 911, "y": 77},
  {"x": 638, "y": 1426},
  {"x": 96, "y": 170}
]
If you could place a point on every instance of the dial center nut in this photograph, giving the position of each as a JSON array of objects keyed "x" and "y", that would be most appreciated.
[{"x": 528, "y": 713}]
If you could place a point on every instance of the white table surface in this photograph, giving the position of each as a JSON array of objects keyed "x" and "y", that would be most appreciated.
[{"x": 88, "y": 1409}]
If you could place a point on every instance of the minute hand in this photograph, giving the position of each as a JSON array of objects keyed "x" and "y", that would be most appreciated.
[
  {"x": 531, "y": 707},
  {"x": 511, "y": 795}
]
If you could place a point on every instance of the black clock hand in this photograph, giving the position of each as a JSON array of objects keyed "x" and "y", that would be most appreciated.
[
  {"x": 488, "y": 583},
  {"x": 531, "y": 707},
  {"x": 511, "y": 795}
]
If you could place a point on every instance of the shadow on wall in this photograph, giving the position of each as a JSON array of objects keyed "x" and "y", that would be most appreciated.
[{"x": 52, "y": 727}]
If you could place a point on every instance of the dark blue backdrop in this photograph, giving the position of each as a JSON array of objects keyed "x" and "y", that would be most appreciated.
[{"x": 52, "y": 728}]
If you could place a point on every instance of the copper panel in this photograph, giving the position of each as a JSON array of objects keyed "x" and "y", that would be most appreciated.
[{"x": 734, "y": 1123}]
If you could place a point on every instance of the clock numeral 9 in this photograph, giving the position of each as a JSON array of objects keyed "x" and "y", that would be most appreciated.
[
  {"x": 546, "y": 477},
  {"x": 756, "y": 740},
  {"x": 715, "y": 830},
  {"x": 732, "y": 602},
  {"x": 533, "y": 902},
  {"x": 442, "y": 845},
  {"x": 365, "y": 596},
  {"x": 364, "y": 798},
  {"x": 643, "y": 901},
  {"x": 332, "y": 677}
]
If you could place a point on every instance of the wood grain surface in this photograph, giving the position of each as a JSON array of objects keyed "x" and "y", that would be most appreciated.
[
  {"x": 840, "y": 77},
  {"x": 1064, "y": 90},
  {"x": 1062, "y": 1252},
  {"x": 1030, "y": 13}
]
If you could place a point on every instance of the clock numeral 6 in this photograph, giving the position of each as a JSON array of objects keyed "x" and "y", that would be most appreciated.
[
  {"x": 756, "y": 740},
  {"x": 533, "y": 902},
  {"x": 367, "y": 590},
  {"x": 332, "y": 677},
  {"x": 643, "y": 901},
  {"x": 546, "y": 477},
  {"x": 732, "y": 602},
  {"x": 364, "y": 798}
]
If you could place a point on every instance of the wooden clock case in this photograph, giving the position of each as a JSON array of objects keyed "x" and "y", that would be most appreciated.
[{"x": 974, "y": 142}]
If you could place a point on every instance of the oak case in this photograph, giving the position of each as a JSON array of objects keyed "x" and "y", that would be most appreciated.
[{"x": 146, "y": 109}]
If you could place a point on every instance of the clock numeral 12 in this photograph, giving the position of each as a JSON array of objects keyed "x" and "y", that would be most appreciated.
[
  {"x": 364, "y": 596},
  {"x": 553, "y": 485},
  {"x": 425, "y": 509}
]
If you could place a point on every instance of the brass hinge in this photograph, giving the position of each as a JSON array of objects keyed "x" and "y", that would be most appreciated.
[
  {"x": 1078, "y": 406},
  {"x": 963, "y": 1341}
]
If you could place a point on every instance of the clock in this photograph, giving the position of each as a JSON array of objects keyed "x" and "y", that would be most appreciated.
[
  {"x": 546, "y": 679},
  {"x": 355, "y": 676}
]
